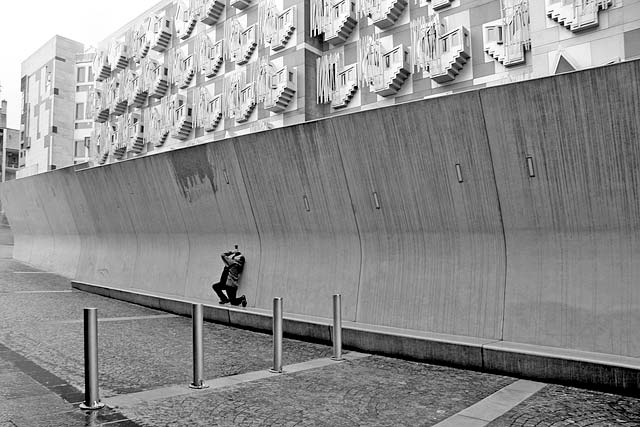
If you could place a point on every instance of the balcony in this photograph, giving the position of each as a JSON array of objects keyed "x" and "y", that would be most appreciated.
[
  {"x": 213, "y": 114},
  {"x": 342, "y": 21},
  {"x": 248, "y": 44},
  {"x": 440, "y": 4},
  {"x": 577, "y": 15},
  {"x": 240, "y": 4},
  {"x": 160, "y": 82},
  {"x": 185, "y": 21},
  {"x": 508, "y": 53},
  {"x": 182, "y": 118},
  {"x": 159, "y": 125},
  {"x": 119, "y": 149},
  {"x": 119, "y": 139},
  {"x": 211, "y": 11},
  {"x": 283, "y": 88},
  {"x": 160, "y": 34},
  {"x": 102, "y": 157},
  {"x": 186, "y": 70},
  {"x": 213, "y": 60},
  {"x": 100, "y": 106},
  {"x": 285, "y": 28},
  {"x": 387, "y": 13},
  {"x": 455, "y": 51},
  {"x": 119, "y": 56},
  {"x": 141, "y": 43},
  {"x": 137, "y": 90},
  {"x": 117, "y": 99},
  {"x": 100, "y": 137},
  {"x": 347, "y": 86},
  {"x": 136, "y": 134},
  {"x": 247, "y": 103},
  {"x": 101, "y": 66},
  {"x": 394, "y": 71}
]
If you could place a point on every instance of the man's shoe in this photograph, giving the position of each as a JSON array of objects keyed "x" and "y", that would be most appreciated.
[
  {"x": 244, "y": 301},
  {"x": 226, "y": 301}
]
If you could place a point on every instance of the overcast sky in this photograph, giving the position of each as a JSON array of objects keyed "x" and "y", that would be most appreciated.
[{"x": 25, "y": 25}]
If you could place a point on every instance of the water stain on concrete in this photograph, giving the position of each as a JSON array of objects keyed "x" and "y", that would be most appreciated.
[{"x": 193, "y": 172}]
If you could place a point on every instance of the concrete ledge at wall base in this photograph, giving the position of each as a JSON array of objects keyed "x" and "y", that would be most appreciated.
[
  {"x": 450, "y": 350},
  {"x": 580, "y": 368},
  {"x": 605, "y": 372},
  {"x": 307, "y": 328}
]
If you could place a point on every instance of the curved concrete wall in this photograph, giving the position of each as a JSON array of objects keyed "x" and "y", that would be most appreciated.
[
  {"x": 434, "y": 248},
  {"x": 548, "y": 260},
  {"x": 572, "y": 231}
]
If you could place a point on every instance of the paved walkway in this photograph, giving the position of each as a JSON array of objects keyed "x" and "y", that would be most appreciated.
[{"x": 145, "y": 369}]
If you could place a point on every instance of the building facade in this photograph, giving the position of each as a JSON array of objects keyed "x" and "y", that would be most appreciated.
[
  {"x": 9, "y": 145},
  {"x": 187, "y": 72},
  {"x": 195, "y": 71},
  {"x": 83, "y": 119},
  {"x": 48, "y": 122}
]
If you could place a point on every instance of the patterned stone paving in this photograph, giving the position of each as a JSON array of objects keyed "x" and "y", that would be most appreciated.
[
  {"x": 41, "y": 374},
  {"x": 375, "y": 390},
  {"x": 559, "y": 406}
]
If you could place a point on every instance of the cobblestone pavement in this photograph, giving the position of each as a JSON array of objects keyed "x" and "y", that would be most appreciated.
[
  {"x": 41, "y": 373},
  {"x": 372, "y": 391},
  {"x": 558, "y": 406}
]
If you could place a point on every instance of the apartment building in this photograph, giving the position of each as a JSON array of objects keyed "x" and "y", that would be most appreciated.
[
  {"x": 187, "y": 72},
  {"x": 9, "y": 146},
  {"x": 48, "y": 122},
  {"x": 83, "y": 119}
]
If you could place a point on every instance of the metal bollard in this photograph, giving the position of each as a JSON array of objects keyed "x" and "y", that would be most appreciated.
[
  {"x": 337, "y": 328},
  {"x": 198, "y": 351},
  {"x": 277, "y": 336},
  {"x": 91, "y": 394}
]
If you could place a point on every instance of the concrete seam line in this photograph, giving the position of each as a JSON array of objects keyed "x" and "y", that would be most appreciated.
[
  {"x": 233, "y": 144},
  {"x": 496, "y": 404},
  {"x": 504, "y": 233},
  {"x": 355, "y": 220}
]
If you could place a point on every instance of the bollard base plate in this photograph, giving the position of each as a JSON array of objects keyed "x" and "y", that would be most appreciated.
[
  {"x": 198, "y": 387},
  {"x": 275, "y": 371},
  {"x": 94, "y": 406},
  {"x": 337, "y": 359}
]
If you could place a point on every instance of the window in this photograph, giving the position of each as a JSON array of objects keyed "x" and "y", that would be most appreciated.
[
  {"x": 81, "y": 77},
  {"x": 81, "y": 147},
  {"x": 80, "y": 111},
  {"x": 56, "y": 91},
  {"x": 54, "y": 129},
  {"x": 87, "y": 145},
  {"x": 89, "y": 74}
]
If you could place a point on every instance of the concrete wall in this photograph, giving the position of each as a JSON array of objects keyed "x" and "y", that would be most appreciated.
[{"x": 549, "y": 260}]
